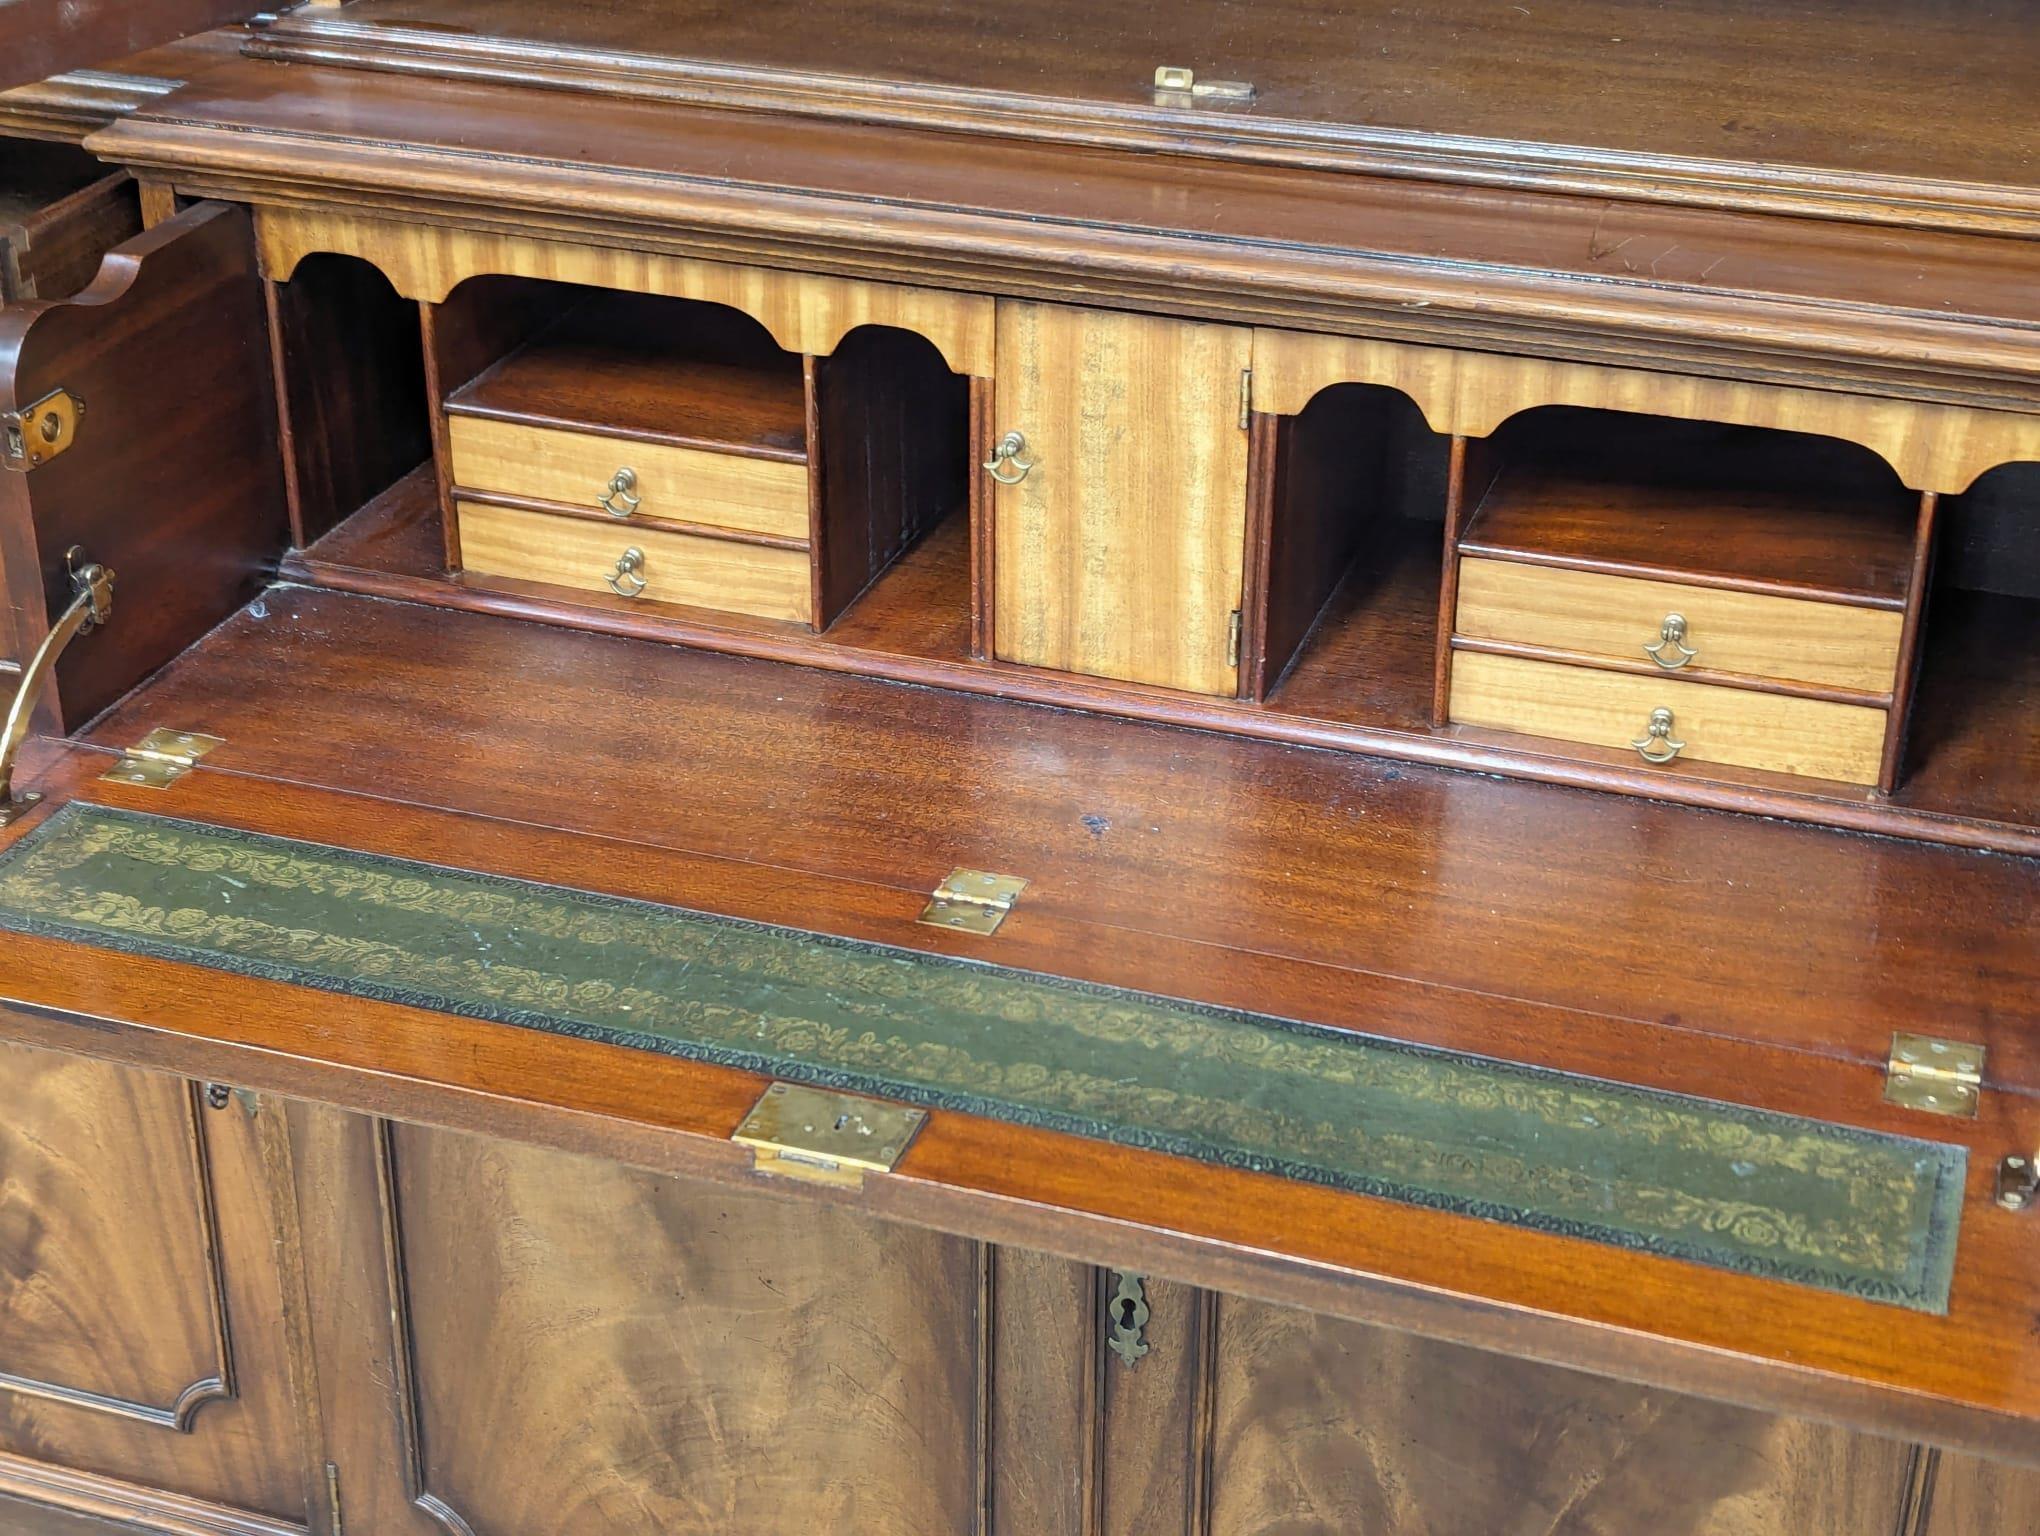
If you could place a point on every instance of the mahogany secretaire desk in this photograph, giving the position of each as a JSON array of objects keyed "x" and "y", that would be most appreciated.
[{"x": 934, "y": 769}]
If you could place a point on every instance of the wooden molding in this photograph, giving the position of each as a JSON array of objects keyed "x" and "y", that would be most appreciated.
[
  {"x": 321, "y": 33},
  {"x": 1933, "y": 447},
  {"x": 805, "y": 312},
  {"x": 178, "y": 1414},
  {"x": 403, "y": 1354},
  {"x": 134, "y": 1507}
]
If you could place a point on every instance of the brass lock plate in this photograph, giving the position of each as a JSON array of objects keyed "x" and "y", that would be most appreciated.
[
  {"x": 825, "y": 1137},
  {"x": 43, "y": 431}
]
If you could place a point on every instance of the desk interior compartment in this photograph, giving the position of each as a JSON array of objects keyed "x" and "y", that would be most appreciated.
[
  {"x": 1770, "y": 582},
  {"x": 1350, "y": 501}
]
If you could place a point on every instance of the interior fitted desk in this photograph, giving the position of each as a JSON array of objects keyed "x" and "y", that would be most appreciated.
[{"x": 1227, "y": 771}]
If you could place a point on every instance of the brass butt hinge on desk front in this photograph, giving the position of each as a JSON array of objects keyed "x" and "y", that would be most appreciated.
[
  {"x": 974, "y": 900},
  {"x": 161, "y": 758},
  {"x": 1941, "y": 1077},
  {"x": 91, "y": 606},
  {"x": 826, "y": 1138}
]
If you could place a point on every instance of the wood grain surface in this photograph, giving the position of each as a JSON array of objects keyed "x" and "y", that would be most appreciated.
[
  {"x": 695, "y": 485},
  {"x": 1576, "y": 95},
  {"x": 730, "y": 1363},
  {"x": 141, "y": 1335},
  {"x": 1121, "y": 553},
  {"x": 804, "y": 311},
  {"x": 1933, "y": 447},
  {"x": 1718, "y": 724},
  {"x": 1620, "y": 616},
  {"x": 580, "y": 554}
]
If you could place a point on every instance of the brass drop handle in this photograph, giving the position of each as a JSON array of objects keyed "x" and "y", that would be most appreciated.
[
  {"x": 1007, "y": 454},
  {"x": 1657, "y": 745},
  {"x": 1671, "y": 651},
  {"x": 627, "y": 579},
  {"x": 621, "y": 499}
]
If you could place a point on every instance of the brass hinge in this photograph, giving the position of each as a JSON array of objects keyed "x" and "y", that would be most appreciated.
[
  {"x": 1176, "y": 86},
  {"x": 1941, "y": 1077},
  {"x": 46, "y": 429},
  {"x": 1232, "y": 639},
  {"x": 1246, "y": 398},
  {"x": 972, "y": 899},
  {"x": 161, "y": 758},
  {"x": 334, "y": 1524},
  {"x": 824, "y": 1137}
]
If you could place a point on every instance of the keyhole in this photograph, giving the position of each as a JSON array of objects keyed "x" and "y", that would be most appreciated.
[
  {"x": 1126, "y": 1311},
  {"x": 52, "y": 427}
]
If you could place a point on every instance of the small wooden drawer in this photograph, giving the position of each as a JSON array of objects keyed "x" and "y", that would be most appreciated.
[
  {"x": 1738, "y": 726},
  {"x": 589, "y": 555},
  {"x": 61, "y": 211},
  {"x": 1783, "y": 639},
  {"x": 693, "y": 485}
]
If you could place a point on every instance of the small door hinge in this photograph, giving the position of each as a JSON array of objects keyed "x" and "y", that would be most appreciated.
[
  {"x": 335, "y": 1526},
  {"x": 161, "y": 758},
  {"x": 1232, "y": 639},
  {"x": 1246, "y": 398},
  {"x": 825, "y": 1137},
  {"x": 972, "y": 899},
  {"x": 1941, "y": 1077},
  {"x": 41, "y": 432}
]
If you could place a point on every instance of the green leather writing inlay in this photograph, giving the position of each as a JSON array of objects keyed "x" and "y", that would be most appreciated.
[{"x": 1847, "y": 1210}]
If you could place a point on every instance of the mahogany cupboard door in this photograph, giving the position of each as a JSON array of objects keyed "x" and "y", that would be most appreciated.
[
  {"x": 513, "y": 1340},
  {"x": 1119, "y": 553},
  {"x": 144, "y": 1367}
]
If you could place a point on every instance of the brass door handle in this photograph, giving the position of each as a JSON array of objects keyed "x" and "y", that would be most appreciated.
[
  {"x": 1007, "y": 454},
  {"x": 1657, "y": 745},
  {"x": 1671, "y": 639},
  {"x": 621, "y": 499},
  {"x": 627, "y": 579}
]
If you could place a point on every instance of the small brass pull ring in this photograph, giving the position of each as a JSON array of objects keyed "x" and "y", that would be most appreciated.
[
  {"x": 1007, "y": 455},
  {"x": 621, "y": 499},
  {"x": 1671, "y": 639},
  {"x": 1657, "y": 745},
  {"x": 627, "y": 579}
]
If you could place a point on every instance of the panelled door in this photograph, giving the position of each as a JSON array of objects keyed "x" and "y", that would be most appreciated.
[
  {"x": 1119, "y": 552},
  {"x": 142, "y": 1339}
]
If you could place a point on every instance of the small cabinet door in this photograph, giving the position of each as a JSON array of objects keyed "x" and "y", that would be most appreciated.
[
  {"x": 1119, "y": 553},
  {"x": 143, "y": 1354}
]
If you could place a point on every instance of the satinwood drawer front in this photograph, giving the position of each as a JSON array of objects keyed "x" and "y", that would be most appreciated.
[
  {"x": 1785, "y": 639},
  {"x": 653, "y": 564},
  {"x": 578, "y": 469},
  {"x": 1708, "y": 723}
]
